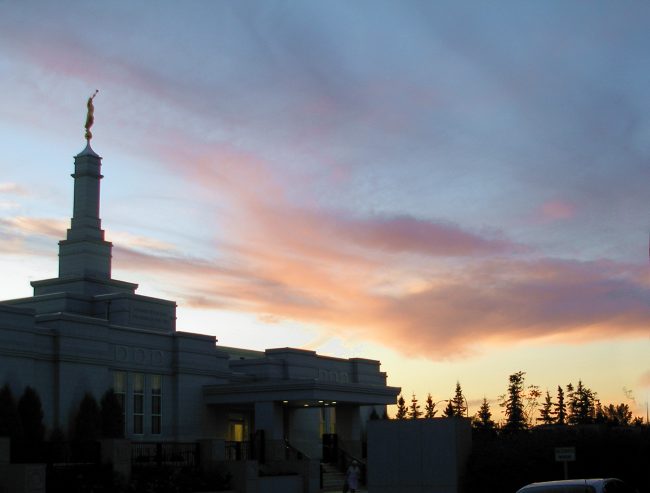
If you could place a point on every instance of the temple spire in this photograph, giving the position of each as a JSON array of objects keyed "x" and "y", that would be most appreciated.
[{"x": 84, "y": 252}]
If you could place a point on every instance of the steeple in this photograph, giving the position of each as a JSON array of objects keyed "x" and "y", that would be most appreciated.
[
  {"x": 84, "y": 252},
  {"x": 84, "y": 256}
]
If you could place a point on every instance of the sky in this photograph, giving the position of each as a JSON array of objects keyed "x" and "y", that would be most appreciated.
[{"x": 457, "y": 189}]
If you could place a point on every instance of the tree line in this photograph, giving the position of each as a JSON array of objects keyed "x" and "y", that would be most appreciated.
[
  {"x": 22, "y": 420},
  {"x": 524, "y": 406}
]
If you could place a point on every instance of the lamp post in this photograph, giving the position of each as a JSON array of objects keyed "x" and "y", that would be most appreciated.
[{"x": 436, "y": 403}]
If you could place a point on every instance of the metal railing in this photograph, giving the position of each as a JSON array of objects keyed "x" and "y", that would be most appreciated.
[
  {"x": 164, "y": 453},
  {"x": 238, "y": 450}
]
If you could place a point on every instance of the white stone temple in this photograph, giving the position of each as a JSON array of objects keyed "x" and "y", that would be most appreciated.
[{"x": 84, "y": 331}]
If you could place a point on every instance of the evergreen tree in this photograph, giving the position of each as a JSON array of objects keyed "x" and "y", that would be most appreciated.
[
  {"x": 112, "y": 417},
  {"x": 30, "y": 412},
  {"x": 401, "y": 408},
  {"x": 546, "y": 415},
  {"x": 560, "y": 408},
  {"x": 583, "y": 405},
  {"x": 10, "y": 425},
  {"x": 514, "y": 403},
  {"x": 414, "y": 409},
  {"x": 483, "y": 419},
  {"x": 429, "y": 408},
  {"x": 450, "y": 411},
  {"x": 88, "y": 421},
  {"x": 570, "y": 400},
  {"x": 458, "y": 402}
]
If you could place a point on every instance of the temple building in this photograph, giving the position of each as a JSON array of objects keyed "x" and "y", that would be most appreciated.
[{"x": 85, "y": 331}]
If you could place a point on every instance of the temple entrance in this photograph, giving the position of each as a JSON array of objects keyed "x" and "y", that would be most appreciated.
[{"x": 330, "y": 448}]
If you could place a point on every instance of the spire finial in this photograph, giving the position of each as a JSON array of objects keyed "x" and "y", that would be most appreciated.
[{"x": 90, "y": 117}]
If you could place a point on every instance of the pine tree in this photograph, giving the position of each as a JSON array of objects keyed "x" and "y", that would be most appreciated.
[
  {"x": 112, "y": 417},
  {"x": 570, "y": 400},
  {"x": 546, "y": 415},
  {"x": 458, "y": 402},
  {"x": 560, "y": 408},
  {"x": 450, "y": 411},
  {"x": 514, "y": 403},
  {"x": 88, "y": 421},
  {"x": 401, "y": 408},
  {"x": 30, "y": 412},
  {"x": 483, "y": 419},
  {"x": 583, "y": 405},
  {"x": 10, "y": 425},
  {"x": 414, "y": 409},
  {"x": 430, "y": 408}
]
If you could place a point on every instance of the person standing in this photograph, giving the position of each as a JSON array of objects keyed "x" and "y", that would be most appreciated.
[{"x": 352, "y": 476}]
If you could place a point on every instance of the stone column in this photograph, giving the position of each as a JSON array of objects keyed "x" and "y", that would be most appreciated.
[
  {"x": 349, "y": 430},
  {"x": 268, "y": 417}
]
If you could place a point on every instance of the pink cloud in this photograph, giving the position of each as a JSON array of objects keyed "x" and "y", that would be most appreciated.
[
  {"x": 557, "y": 210},
  {"x": 644, "y": 379},
  {"x": 493, "y": 302},
  {"x": 12, "y": 188}
]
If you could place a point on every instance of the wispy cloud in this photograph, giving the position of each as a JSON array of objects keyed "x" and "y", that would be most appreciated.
[{"x": 12, "y": 188}]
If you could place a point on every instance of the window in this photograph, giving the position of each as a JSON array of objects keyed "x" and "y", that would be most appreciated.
[
  {"x": 138, "y": 403},
  {"x": 156, "y": 404},
  {"x": 119, "y": 387}
]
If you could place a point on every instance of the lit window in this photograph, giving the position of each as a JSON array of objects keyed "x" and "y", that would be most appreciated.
[
  {"x": 138, "y": 403},
  {"x": 156, "y": 404}
]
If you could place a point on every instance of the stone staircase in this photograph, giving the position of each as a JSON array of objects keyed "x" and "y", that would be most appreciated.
[{"x": 332, "y": 478}]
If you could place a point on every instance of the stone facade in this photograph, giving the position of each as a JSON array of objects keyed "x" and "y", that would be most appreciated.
[{"x": 87, "y": 332}]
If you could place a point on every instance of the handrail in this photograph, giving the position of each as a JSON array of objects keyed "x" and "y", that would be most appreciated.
[
  {"x": 345, "y": 459},
  {"x": 291, "y": 451}
]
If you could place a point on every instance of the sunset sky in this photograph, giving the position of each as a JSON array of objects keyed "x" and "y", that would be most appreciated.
[{"x": 460, "y": 190}]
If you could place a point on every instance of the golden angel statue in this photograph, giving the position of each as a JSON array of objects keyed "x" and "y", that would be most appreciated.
[{"x": 90, "y": 117}]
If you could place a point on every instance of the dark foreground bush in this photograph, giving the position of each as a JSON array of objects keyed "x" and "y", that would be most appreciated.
[{"x": 504, "y": 463}]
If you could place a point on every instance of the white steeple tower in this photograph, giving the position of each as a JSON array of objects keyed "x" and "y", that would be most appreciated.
[{"x": 85, "y": 256}]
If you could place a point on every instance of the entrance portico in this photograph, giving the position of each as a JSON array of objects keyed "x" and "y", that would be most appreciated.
[{"x": 294, "y": 397}]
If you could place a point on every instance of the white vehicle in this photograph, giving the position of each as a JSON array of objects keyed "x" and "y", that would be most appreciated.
[{"x": 609, "y": 485}]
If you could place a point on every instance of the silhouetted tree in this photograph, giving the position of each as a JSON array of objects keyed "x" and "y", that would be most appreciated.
[
  {"x": 429, "y": 407},
  {"x": 88, "y": 421},
  {"x": 483, "y": 419},
  {"x": 10, "y": 425},
  {"x": 57, "y": 445},
  {"x": 582, "y": 405},
  {"x": 546, "y": 415},
  {"x": 414, "y": 409},
  {"x": 458, "y": 402},
  {"x": 570, "y": 402},
  {"x": 531, "y": 403},
  {"x": 560, "y": 408},
  {"x": 513, "y": 404},
  {"x": 450, "y": 411},
  {"x": 401, "y": 408},
  {"x": 112, "y": 418},
  {"x": 615, "y": 415},
  {"x": 30, "y": 412}
]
